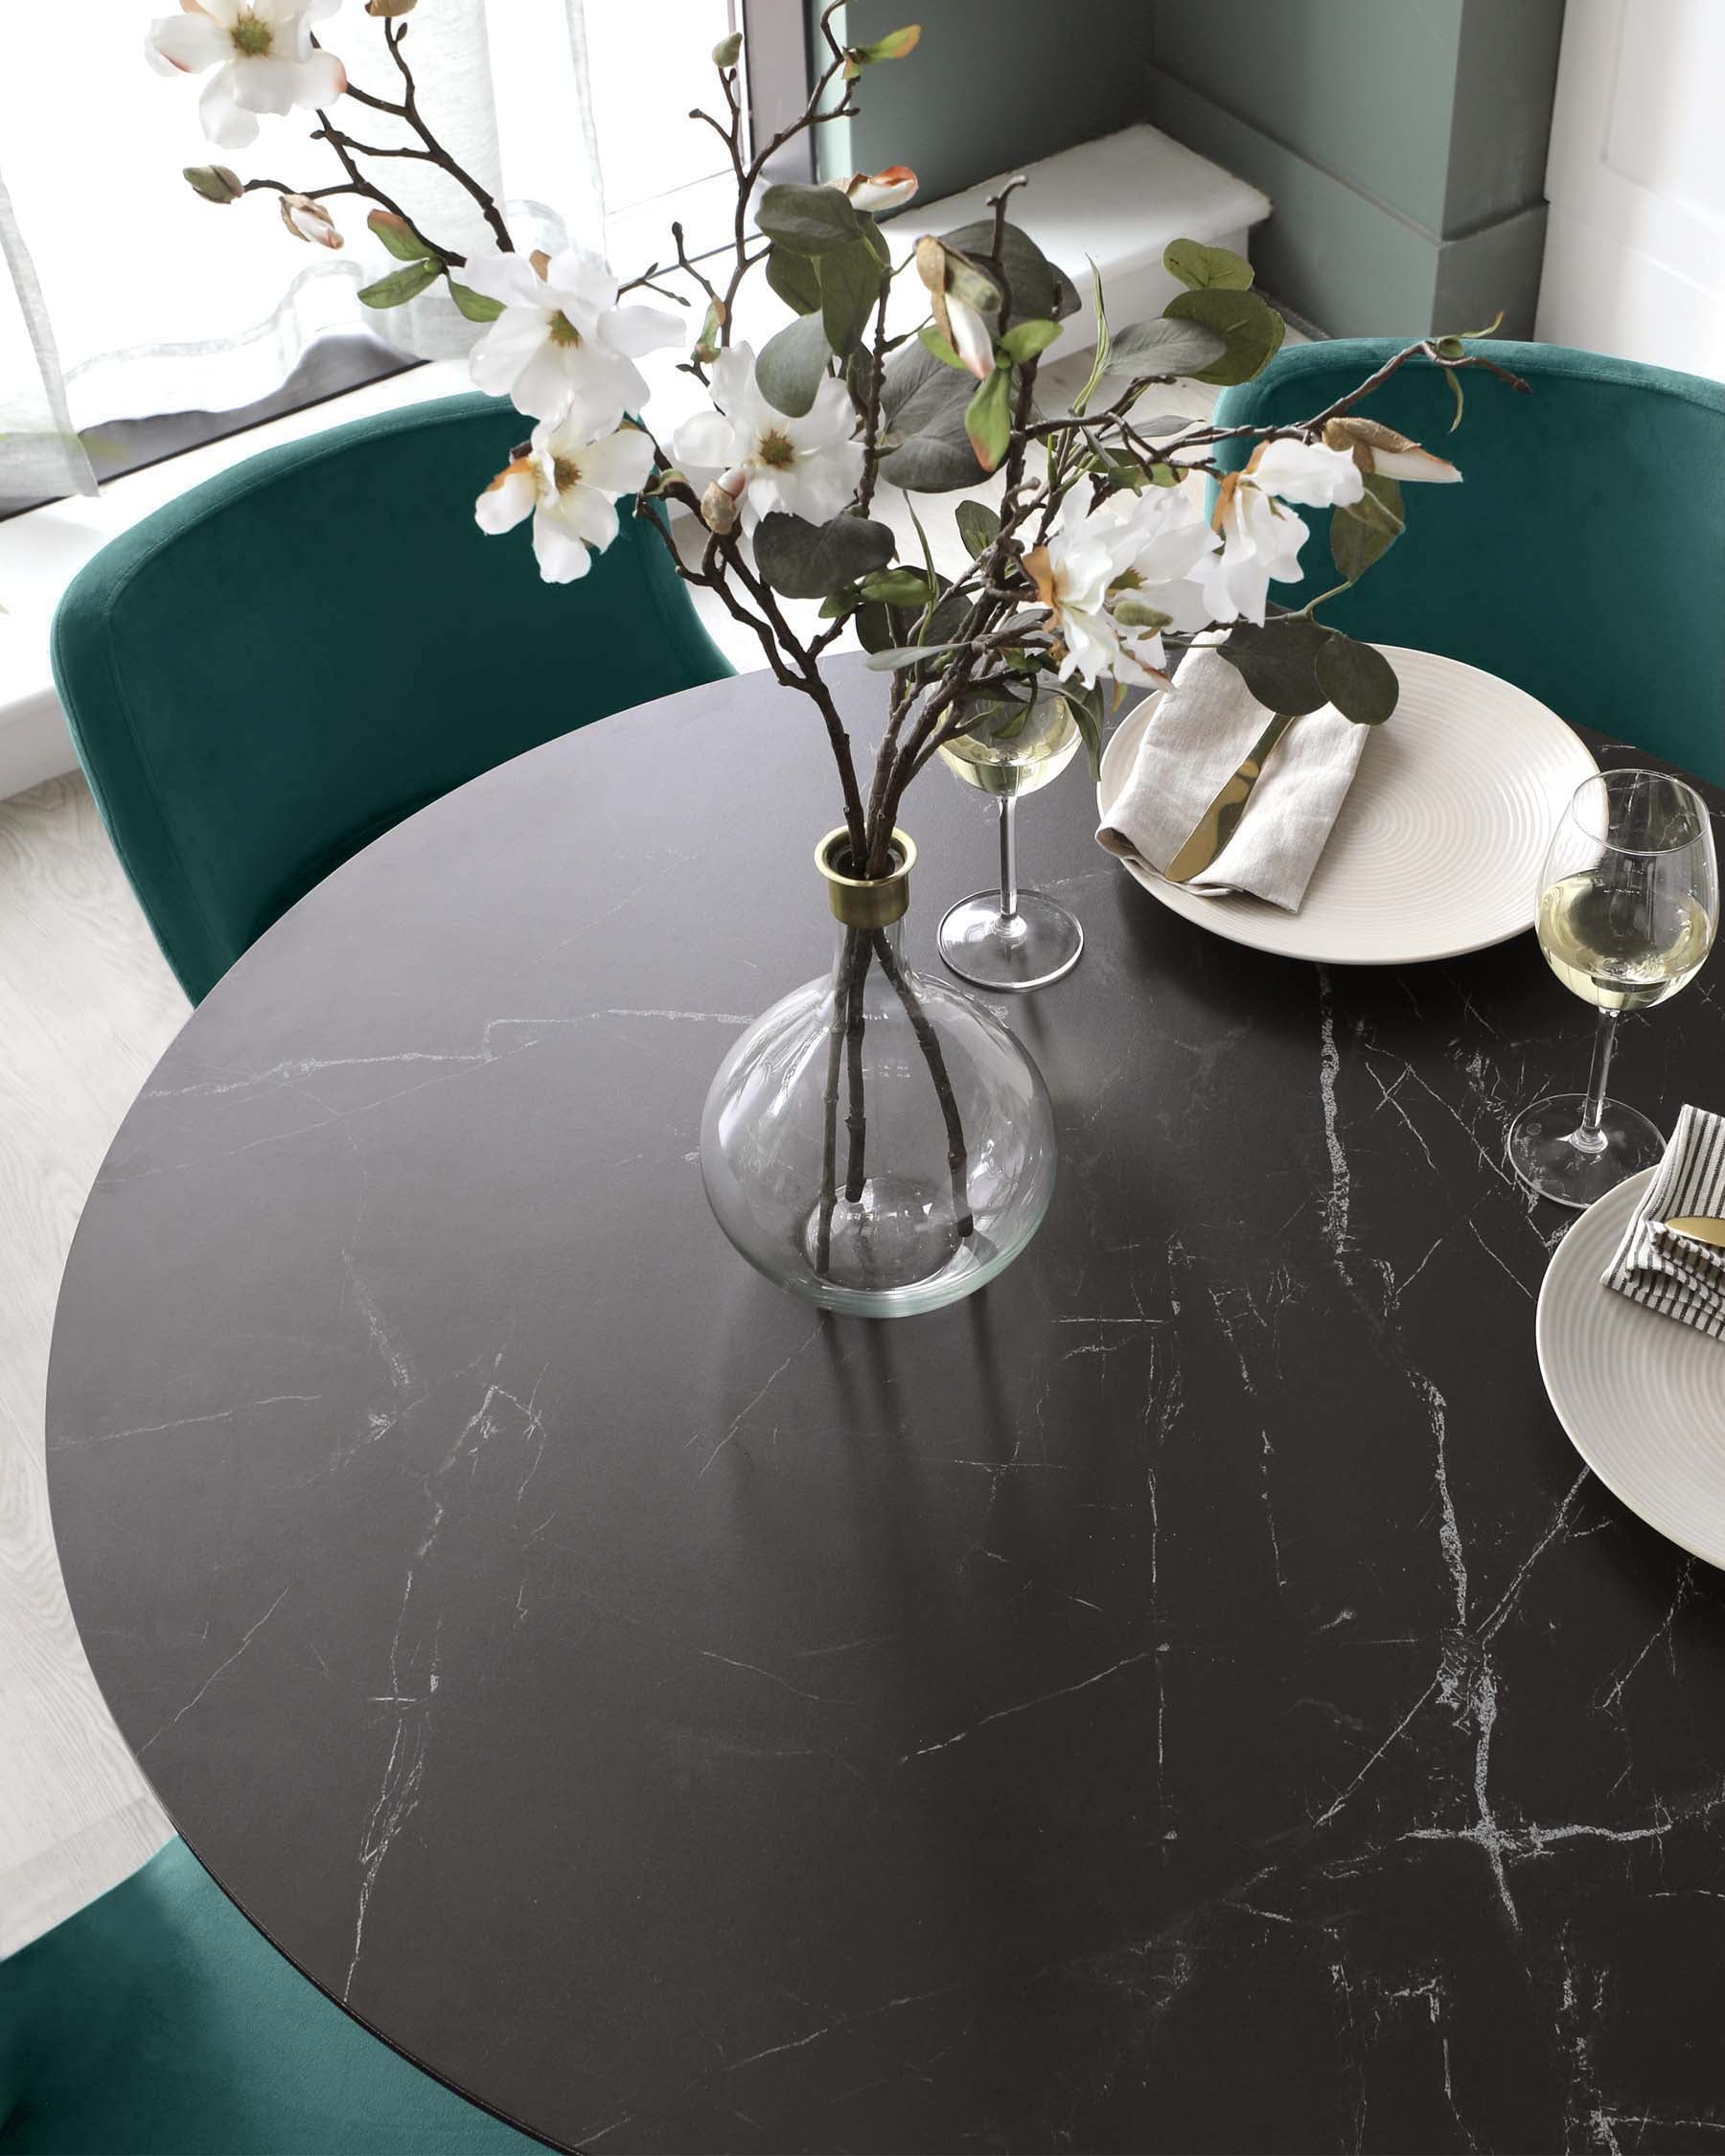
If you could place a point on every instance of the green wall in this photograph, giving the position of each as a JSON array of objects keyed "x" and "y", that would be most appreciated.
[
  {"x": 1402, "y": 142},
  {"x": 993, "y": 84}
]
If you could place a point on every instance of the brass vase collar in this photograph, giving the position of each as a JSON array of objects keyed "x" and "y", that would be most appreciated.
[{"x": 866, "y": 902}]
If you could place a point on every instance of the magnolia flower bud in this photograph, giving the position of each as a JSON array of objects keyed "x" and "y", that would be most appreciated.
[
  {"x": 726, "y": 52},
  {"x": 719, "y": 509},
  {"x": 390, "y": 6},
  {"x": 214, "y": 182},
  {"x": 1377, "y": 448},
  {"x": 879, "y": 191},
  {"x": 308, "y": 219}
]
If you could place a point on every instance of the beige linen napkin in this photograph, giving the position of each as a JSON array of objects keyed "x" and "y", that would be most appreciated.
[
  {"x": 1200, "y": 732},
  {"x": 1653, "y": 1264}
]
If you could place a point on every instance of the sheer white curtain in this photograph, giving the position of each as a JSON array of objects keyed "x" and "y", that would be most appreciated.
[{"x": 123, "y": 294}]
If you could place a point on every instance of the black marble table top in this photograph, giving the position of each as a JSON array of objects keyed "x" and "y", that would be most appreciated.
[{"x": 1189, "y": 1696}]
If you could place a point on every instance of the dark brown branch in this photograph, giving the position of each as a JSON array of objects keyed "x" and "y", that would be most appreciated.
[
  {"x": 929, "y": 1042},
  {"x": 362, "y": 185},
  {"x": 394, "y": 36}
]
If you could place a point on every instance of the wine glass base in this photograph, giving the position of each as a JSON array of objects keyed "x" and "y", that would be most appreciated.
[
  {"x": 1013, "y": 952},
  {"x": 1542, "y": 1149}
]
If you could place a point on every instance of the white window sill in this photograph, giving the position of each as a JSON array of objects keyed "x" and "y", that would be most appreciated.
[{"x": 1119, "y": 201}]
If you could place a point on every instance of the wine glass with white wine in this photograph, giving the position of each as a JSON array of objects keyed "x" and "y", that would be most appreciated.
[
  {"x": 1012, "y": 939},
  {"x": 1628, "y": 907}
]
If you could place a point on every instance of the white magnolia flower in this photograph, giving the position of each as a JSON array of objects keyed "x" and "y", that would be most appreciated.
[
  {"x": 1261, "y": 537},
  {"x": 263, "y": 55},
  {"x": 562, "y": 345},
  {"x": 1072, "y": 574},
  {"x": 1160, "y": 543},
  {"x": 889, "y": 190},
  {"x": 765, "y": 458},
  {"x": 568, "y": 484}
]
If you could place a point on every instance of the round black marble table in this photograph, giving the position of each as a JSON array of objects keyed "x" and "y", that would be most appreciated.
[{"x": 1189, "y": 1696}]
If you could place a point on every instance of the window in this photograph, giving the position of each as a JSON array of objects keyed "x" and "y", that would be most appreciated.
[{"x": 161, "y": 303}]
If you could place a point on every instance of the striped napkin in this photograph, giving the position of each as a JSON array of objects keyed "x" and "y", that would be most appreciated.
[{"x": 1668, "y": 1273}]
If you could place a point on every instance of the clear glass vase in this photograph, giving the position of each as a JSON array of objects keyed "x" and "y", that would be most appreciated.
[{"x": 877, "y": 1142}]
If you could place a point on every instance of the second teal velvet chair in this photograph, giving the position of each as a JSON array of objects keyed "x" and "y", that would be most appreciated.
[
  {"x": 157, "y": 2022},
  {"x": 1582, "y": 556},
  {"x": 286, "y": 661}
]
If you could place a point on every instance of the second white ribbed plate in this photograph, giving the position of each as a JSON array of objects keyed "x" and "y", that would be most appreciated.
[
  {"x": 1642, "y": 1397},
  {"x": 1439, "y": 844}
]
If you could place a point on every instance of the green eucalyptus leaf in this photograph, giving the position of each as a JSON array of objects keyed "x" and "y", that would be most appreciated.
[
  {"x": 1087, "y": 710},
  {"x": 795, "y": 278},
  {"x": 978, "y": 527},
  {"x": 1253, "y": 331},
  {"x": 1454, "y": 379},
  {"x": 1202, "y": 268},
  {"x": 476, "y": 305},
  {"x": 1024, "y": 340},
  {"x": 1358, "y": 680},
  {"x": 891, "y": 660},
  {"x": 922, "y": 407},
  {"x": 850, "y": 284},
  {"x": 899, "y": 586},
  {"x": 933, "y": 341},
  {"x": 1366, "y": 528},
  {"x": 810, "y": 221},
  {"x": 988, "y": 419},
  {"x": 1278, "y": 663},
  {"x": 1165, "y": 348},
  {"x": 807, "y": 561},
  {"x": 792, "y": 364},
  {"x": 400, "y": 285}
]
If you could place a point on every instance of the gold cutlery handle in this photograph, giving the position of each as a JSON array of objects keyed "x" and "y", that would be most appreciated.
[
  {"x": 1700, "y": 1227},
  {"x": 1216, "y": 826}
]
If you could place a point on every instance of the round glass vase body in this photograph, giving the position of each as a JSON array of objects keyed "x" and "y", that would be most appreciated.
[{"x": 877, "y": 1142}]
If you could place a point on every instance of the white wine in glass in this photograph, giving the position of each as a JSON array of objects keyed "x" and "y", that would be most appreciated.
[
  {"x": 1629, "y": 908},
  {"x": 1623, "y": 951},
  {"x": 1009, "y": 938},
  {"x": 1020, "y": 764}
]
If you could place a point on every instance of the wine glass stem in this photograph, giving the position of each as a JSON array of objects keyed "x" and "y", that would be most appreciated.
[
  {"x": 1589, "y": 1136},
  {"x": 1008, "y": 855}
]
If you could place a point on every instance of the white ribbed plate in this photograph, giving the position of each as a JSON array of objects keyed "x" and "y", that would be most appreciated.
[
  {"x": 1642, "y": 1397},
  {"x": 1439, "y": 844}
]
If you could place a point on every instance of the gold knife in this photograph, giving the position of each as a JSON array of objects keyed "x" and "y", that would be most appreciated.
[
  {"x": 1216, "y": 826},
  {"x": 1700, "y": 1227}
]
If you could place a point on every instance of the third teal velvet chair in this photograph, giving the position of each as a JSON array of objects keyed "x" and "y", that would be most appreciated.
[
  {"x": 286, "y": 661},
  {"x": 1582, "y": 556},
  {"x": 157, "y": 2022}
]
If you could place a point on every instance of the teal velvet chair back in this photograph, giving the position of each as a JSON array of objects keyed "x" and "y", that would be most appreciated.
[
  {"x": 157, "y": 2022},
  {"x": 1582, "y": 556},
  {"x": 286, "y": 661}
]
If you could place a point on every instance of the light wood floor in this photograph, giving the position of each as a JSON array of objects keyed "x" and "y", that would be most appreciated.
[{"x": 86, "y": 1006}]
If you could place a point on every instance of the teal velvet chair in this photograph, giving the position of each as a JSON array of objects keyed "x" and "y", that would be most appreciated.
[
  {"x": 158, "y": 2023},
  {"x": 281, "y": 664},
  {"x": 1582, "y": 556}
]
